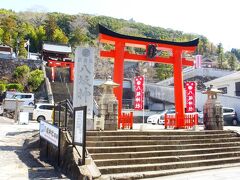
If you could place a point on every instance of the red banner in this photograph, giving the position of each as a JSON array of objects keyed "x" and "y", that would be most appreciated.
[
  {"x": 139, "y": 92},
  {"x": 190, "y": 96}
]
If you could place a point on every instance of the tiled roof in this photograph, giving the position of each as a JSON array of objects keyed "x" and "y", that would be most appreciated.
[{"x": 57, "y": 48}]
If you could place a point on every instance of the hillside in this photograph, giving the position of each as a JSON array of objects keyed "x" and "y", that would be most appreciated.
[
  {"x": 17, "y": 28},
  {"x": 80, "y": 29}
]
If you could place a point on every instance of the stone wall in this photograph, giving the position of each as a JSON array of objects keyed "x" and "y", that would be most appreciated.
[
  {"x": 7, "y": 66},
  {"x": 67, "y": 158}
]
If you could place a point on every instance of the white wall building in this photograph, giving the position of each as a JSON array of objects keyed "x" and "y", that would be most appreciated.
[{"x": 230, "y": 84}]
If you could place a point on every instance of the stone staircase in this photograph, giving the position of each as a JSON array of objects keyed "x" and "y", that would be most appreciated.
[{"x": 136, "y": 155}]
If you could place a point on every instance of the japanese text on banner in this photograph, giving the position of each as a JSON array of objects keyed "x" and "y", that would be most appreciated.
[
  {"x": 139, "y": 92},
  {"x": 190, "y": 96}
]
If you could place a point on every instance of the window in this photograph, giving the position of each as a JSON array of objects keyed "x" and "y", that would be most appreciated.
[
  {"x": 237, "y": 88},
  {"x": 49, "y": 107},
  {"x": 227, "y": 110},
  {"x": 27, "y": 96},
  {"x": 223, "y": 89}
]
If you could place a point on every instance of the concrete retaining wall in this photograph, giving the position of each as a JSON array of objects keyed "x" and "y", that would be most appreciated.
[{"x": 67, "y": 160}]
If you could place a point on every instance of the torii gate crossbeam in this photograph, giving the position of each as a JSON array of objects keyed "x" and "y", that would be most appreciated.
[{"x": 119, "y": 54}]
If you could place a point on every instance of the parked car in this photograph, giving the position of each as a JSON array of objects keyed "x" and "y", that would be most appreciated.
[
  {"x": 43, "y": 111},
  {"x": 230, "y": 116},
  {"x": 28, "y": 98},
  {"x": 157, "y": 118}
]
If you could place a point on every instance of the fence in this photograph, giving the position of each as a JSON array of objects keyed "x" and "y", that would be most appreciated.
[
  {"x": 125, "y": 121},
  {"x": 190, "y": 120},
  {"x": 63, "y": 115}
]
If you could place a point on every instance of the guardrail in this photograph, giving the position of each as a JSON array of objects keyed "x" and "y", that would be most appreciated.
[
  {"x": 63, "y": 115},
  {"x": 125, "y": 121},
  {"x": 190, "y": 120}
]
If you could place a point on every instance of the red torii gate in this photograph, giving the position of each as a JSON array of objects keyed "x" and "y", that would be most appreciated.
[
  {"x": 53, "y": 64},
  {"x": 120, "y": 54}
]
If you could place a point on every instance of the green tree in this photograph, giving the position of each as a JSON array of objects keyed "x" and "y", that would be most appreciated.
[
  {"x": 164, "y": 71},
  {"x": 220, "y": 54},
  {"x": 9, "y": 25},
  {"x": 78, "y": 37},
  {"x": 41, "y": 36},
  {"x": 22, "y": 49},
  {"x": 35, "y": 79},
  {"x": 64, "y": 22},
  {"x": 59, "y": 37},
  {"x": 236, "y": 52},
  {"x": 50, "y": 27},
  {"x": 6, "y": 38},
  {"x": 232, "y": 61},
  {"x": 21, "y": 74},
  {"x": 1, "y": 35}
]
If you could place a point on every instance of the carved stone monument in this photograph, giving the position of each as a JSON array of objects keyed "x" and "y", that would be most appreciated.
[
  {"x": 212, "y": 110},
  {"x": 108, "y": 107}
]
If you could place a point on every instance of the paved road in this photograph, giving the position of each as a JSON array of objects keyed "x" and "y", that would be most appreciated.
[{"x": 17, "y": 160}]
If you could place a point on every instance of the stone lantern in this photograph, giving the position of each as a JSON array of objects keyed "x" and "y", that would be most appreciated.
[
  {"x": 108, "y": 107},
  {"x": 212, "y": 110}
]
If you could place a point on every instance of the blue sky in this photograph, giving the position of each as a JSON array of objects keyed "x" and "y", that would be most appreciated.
[{"x": 217, "y": 20}]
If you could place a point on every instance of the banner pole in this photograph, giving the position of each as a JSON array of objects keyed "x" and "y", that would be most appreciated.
[{"x": 143, "y": 95}]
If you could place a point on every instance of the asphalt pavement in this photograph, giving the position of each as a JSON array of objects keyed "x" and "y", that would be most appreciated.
[
  {"x": 18, "y": 159},
  {"x": 19, "y": 162}
]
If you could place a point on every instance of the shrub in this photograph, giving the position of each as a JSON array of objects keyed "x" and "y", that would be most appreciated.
[
  {"x": 15, "y": 86},
  {"x": 21, "y": 74},
  {"x": 2, "y": 88},
  {"x": 35, "y": 79}
]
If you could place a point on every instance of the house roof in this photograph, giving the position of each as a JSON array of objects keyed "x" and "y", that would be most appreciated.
[
  {"x": 57, "y": 48},
  {"x": 225, "y": 79},
  {"x": 5, "y": 49}
]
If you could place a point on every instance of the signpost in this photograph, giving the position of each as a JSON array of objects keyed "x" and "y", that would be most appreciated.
[
  {"x": 49, "y": 132},
  {"x": 79, "y": 129}
]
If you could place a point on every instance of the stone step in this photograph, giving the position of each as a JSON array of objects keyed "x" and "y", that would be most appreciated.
[
  {"x": 165, "y": 166},
  {"x": 165, "y": 159},
  {"x": 148, "y": 133},
  {"x": 161, "y": 153},
  {"x": 159, "y": 173},
  {"x": 158, "y": 142},
  {"x": 134, "y": 149},
  {"x": 159, "y": 137}
]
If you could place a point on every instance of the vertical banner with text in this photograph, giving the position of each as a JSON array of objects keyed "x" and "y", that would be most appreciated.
[
  {"x": 190, "y": 96},
  {"x": 139, "y": 92},
  {"x": 198, "y": 61},
  {"x": 83, "y": 79}
]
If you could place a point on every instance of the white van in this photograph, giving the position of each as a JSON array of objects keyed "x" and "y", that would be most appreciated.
[
  {"x": 27, "y": 97},
  {"x": 43, "y": 111}
]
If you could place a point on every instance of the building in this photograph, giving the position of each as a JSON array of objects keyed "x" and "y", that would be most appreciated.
[
  {"x": 230, "y": 84},
  {"x": 6, "y": 52},
  {"x": 58, "y": 52},
  {"x": 208, "y": 63}
]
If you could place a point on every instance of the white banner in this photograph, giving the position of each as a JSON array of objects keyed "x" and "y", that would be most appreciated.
[
  {"x": 78, "y": 126},
  {"x": 49, "y": 132},
  {"x": 83, "y": 79}
]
